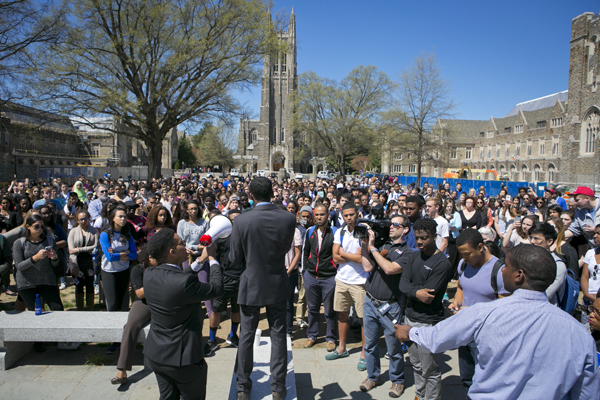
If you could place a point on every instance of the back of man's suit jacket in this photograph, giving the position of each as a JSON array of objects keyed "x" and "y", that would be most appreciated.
[
  {"x": 174, "y": 297},
  {"x": 261, "y": 238}
]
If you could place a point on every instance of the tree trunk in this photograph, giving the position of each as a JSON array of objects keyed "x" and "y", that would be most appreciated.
[
  {"x": 154, "y": 160},
  {"x": 342, "y": 164}
]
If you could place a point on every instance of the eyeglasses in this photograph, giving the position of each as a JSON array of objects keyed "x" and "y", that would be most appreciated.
[
  {"x": 102, "y": 191},
  {"x": 594, "y": 310},
  {"x": 397, "y": 225},
  {"x": 37, "y": 227}
]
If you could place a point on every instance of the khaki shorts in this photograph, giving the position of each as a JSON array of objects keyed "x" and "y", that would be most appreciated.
[{"x": 345, "y": 295}]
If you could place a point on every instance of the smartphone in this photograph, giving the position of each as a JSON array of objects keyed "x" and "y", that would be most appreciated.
[
  {"x": 48, "y": 248},
  {"x": 518, "y": 218}
]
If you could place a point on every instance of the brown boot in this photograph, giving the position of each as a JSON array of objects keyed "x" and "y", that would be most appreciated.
[
  {"x": 79, "y": 302},
  {"x": 89, "y": 300}
]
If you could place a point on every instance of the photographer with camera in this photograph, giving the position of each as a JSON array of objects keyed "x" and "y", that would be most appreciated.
[{"x": 382, "y": 304}]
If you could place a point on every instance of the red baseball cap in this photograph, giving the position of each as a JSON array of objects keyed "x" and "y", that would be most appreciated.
[
  {"x": 584, "y": 190},
  {"x": 547, "y": 189}
]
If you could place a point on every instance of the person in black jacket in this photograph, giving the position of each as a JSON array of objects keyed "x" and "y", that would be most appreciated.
[
  {"x": 174, "y": 344},
  {"x": 261, "y": 238},
  {"x": 319, "y": 272},
  {"x": 424, "y": 282}
]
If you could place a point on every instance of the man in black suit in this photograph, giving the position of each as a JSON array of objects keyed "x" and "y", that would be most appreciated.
[
  {"x": 174, "y": 344},
  {"x": 261, "y": 238}
]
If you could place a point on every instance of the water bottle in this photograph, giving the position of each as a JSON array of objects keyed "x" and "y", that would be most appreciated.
[
  {"x": 94, "y": 255},
  {"x": 38, "y": 305}
]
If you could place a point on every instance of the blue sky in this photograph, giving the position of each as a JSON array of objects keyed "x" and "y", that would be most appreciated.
[{"x": 495, "y": 53}]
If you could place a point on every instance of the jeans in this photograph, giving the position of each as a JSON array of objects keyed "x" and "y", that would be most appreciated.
[
  {"x": 320, "y": 291},
  {"x": 428, "y": 378},
  {"x": 373, "y": 321},
  {"x": 467, "y": 358},
  {"x": 289, "y": 317}
]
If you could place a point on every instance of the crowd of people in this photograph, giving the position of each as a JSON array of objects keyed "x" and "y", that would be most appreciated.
[{"x": 511, "y": 260}]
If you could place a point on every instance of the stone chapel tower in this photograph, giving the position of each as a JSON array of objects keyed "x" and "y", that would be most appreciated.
[{"x": 267, "y": 143}]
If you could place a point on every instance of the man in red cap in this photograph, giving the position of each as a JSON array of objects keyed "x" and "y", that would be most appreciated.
[
  {"x": 587, "y": 216},
  {"x": 553, "y": 197}
]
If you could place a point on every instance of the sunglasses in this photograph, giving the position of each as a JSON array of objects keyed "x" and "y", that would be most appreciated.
[
  {"x": 37, "y": 227},
  {"x": 396, "y": 224}
]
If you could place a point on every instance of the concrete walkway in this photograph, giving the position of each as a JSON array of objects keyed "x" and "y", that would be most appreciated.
[{"x": 61, "y": 375}]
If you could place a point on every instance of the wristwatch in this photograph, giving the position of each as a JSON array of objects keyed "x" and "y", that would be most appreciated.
[{"x": 373, "y": 250}]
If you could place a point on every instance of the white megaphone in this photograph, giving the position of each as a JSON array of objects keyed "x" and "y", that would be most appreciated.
[{"x": 219, "y": 227}]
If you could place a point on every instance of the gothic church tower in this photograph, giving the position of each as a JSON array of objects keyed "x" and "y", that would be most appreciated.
[{"x": 267, "y": 143}]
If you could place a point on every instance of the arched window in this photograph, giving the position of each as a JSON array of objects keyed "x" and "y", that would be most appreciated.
[
  {"x": 253, "y": 136},
  {"x": 282, "y": 135},
  {"x": 589, "y": 133},
  {"x": 551, "y": 173},
  {"x": 514, "y": 174},
  {"x": 537, "y": 173},
  {"x": 524, "y": 172}
]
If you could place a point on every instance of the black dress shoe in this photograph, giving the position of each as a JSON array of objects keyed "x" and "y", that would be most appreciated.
[
  {"x": 243, "y": 396},
  {"x": 278, "y": 396}
]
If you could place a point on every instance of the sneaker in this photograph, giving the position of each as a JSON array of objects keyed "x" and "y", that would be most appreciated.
[
  {"x": 302, "y": 324},
  {"x": 331, "y": 346},
  {"x": 113, "y": 349},
  {"x": 69, "y": 345},
  {"x": 396, "y": 390},
  {"x": 369, "y": 384},
  {"x": 62, "y": 286},
  {"x": 387, "y": 356},
  {"x": 209, "y": 348},
  {"x": 96, "y": 290},
  {"x": 233, "y": 340},
  {"x": 334, "y": 355},
  {"x": 309, "y": 343}
]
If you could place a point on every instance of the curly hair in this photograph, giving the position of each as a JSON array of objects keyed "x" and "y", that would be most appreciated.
[{"x": 153, "y": 216}]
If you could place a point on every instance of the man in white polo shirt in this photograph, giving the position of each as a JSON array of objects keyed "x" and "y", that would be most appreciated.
[{"x": 349, "y": 282}]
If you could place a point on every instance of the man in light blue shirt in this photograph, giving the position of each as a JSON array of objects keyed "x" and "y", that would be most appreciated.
[
  {"x": 96, "y": 205},
  {"x": 527, "y": 348}
]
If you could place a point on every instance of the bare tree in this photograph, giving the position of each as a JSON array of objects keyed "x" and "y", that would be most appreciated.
[
  {"x": 423, "y": 96},
  {"x": 340, "y": 118},
  {"x": 23, "y": 24},
  {"x": 154, "y": 64}
]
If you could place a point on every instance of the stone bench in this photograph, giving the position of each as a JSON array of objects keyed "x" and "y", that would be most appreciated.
[{"x": 18, "y": 330}]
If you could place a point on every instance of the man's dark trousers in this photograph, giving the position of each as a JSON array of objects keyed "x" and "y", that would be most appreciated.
[
  {"x": 320, "y": 291},
  {"x": 187, "y": 382},
  {"x": 276, "y": 316}
]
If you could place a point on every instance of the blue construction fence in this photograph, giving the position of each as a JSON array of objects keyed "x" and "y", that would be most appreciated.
[{"x": 492, "y": 188}]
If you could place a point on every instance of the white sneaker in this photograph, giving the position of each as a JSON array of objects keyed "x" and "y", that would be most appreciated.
[
  {"x": 62, "y": 286},
  {"x": 96, "y": 290},
  {"x": 69, "y": 345}
]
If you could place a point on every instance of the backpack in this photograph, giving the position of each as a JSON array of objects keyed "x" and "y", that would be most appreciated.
[
  {"x": 494, "y": 278},
  {"x": 570, "y": 294}
]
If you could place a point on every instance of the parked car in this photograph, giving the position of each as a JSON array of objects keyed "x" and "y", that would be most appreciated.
[
  {"x": 260, "y": 172},
  {"x": 299, "y": 176},
  {"x": 234, "y": 172},
  {"x": 210, "y": 175},
  {"x": 322, "y": 174}
]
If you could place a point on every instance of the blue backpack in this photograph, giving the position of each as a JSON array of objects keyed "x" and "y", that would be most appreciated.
[{"x": 570, "y": 295}]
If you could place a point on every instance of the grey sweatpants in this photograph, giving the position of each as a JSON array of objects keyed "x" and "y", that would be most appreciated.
[{"x": 428, "y": 378}]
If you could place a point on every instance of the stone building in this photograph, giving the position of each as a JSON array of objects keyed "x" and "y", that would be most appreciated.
[
  {"x": 108, "y": 144},
  {"x": 549, "y": 139},
  {"x": 267, "y": 143},
  {"x": 30, "y": 138}
]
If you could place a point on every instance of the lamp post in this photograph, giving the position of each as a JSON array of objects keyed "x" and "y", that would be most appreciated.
[
  {"x": 14, "y": 153},
  {"x": 250, "y": 148}
]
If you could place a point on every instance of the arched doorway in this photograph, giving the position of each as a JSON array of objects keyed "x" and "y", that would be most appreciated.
[
  {"x": 319, "y": 168},
  {"x": 309, "y": 169},
  {"x": 278, "y": 161}
]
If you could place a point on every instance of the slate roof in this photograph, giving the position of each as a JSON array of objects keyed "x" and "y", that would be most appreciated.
[
  {"x": 23, "y": 115},
  {"x": 539, "y": 103}
]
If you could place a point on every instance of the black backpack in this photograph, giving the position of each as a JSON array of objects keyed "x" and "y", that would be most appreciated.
[{"x": 494, "y": 278}]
